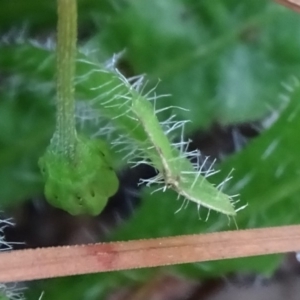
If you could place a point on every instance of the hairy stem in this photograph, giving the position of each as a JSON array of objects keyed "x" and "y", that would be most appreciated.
[{"x": 66, "y": 52}]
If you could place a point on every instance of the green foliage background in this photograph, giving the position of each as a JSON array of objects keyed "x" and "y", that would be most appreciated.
[{"x": 223, "y": 60}]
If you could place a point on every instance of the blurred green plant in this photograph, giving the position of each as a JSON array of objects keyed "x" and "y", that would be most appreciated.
[{"x": 222, "y": 60}]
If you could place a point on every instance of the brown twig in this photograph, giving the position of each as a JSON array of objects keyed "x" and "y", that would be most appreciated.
[
  {"x": 22, "y": 265},
  {"x": 292, "y": 4}
]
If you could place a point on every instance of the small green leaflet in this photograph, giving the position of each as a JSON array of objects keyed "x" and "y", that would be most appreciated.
[
  {"x": 133, "y": 117},
  {"x": 175, "y": 169}
]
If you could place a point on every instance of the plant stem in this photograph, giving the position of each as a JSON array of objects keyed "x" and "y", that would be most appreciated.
[{"x": 66, "y": 53}]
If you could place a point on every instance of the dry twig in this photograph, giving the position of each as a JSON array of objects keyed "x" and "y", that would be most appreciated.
[{"x": 40, "y": 263}]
